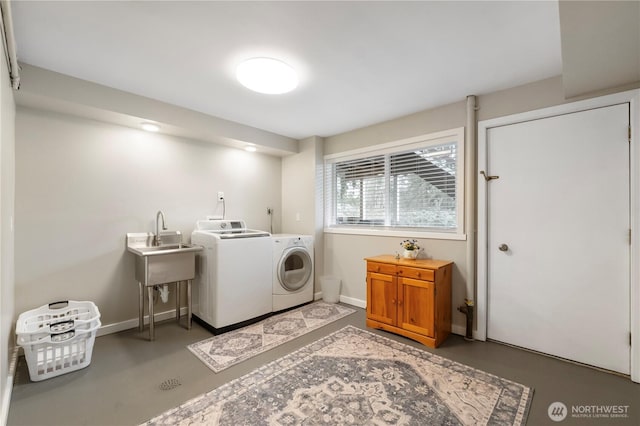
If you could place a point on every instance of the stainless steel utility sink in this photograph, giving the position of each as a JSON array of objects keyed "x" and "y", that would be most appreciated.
[
  {"x": 170, "y": 262},
  {"x": 165, "y": 249}
]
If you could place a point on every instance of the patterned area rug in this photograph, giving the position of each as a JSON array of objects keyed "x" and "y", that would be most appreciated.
[
  {"x": 356, "y": 377},
  {"x": 225, "y": 350}
]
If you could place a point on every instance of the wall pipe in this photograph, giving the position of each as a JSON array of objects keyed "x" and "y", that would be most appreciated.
[
  {"x": 10, "y": 43},
  {"x": 470, "y": 196}
]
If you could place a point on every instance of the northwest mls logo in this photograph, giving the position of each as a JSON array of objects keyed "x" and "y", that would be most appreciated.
[{"x": 557, "y": 411}]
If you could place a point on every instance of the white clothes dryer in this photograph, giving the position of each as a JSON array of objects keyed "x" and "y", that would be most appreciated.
[{"x": 292, "y": 270}]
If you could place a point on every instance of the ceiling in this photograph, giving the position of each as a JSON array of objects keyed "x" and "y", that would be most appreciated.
[{"x": 360, "y": 63}]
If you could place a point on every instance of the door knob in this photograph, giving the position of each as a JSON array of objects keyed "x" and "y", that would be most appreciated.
[{"x": 503, "y": 247}]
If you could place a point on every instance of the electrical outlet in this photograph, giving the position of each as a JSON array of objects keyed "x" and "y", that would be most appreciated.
[{"x": 220, "y": 196}]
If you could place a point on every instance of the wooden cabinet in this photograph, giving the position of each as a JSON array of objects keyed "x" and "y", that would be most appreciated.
[{"x": 410, "y": 297}]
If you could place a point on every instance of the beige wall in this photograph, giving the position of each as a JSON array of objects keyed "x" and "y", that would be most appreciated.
[
  {"x": 429, "y": 121},
  {"x": 302, "y": 196},
  {"x": 7, "y": 186},
  {"x": 600, "y": 45},
  {"x": 81, "y": 185},
  {"x": 343, "y": 254},
  {"x": 298, "y": 199},
  {"x": 529, "y": 97}
]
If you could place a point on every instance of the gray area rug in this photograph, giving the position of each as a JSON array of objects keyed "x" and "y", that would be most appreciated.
[
  {"x": 356, "y": 377},
  {"x": 225, "y": 350}
]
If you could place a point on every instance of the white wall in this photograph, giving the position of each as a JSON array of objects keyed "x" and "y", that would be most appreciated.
[
  {"x": 81, "y": 185},
  {"x": 7, "y": 186}
]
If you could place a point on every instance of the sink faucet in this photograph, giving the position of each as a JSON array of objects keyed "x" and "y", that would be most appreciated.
[{"x": 158, "y": 215}]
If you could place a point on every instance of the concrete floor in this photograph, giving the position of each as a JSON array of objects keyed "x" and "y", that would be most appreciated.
[{"x": 123, "y": 385}]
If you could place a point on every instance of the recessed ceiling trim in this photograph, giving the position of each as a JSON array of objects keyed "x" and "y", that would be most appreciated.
[{"x": 61, "y": 93}]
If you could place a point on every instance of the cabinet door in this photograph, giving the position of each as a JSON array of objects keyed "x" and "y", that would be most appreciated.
[
  {"x": 416, "y": 310},
  {"x": 381, "y": 298}
]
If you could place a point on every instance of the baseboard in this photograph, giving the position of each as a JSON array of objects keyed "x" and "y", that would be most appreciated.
[
  {"x": 353, "y": 301},
  {"x": 6, "y": 395},
  {"x": 133, "y": 323},
  {"x": 161, "y": 316},
  {"x": 459, "y": 329},
  {"x": 344, "y": 299}
]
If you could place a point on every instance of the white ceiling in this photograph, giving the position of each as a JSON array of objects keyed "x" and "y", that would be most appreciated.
[{"x": 360, "y": 62}]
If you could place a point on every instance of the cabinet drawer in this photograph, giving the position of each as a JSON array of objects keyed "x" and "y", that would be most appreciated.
[
  {"x": 382, "y": 268},
  {"x": 416, "y": 273}
]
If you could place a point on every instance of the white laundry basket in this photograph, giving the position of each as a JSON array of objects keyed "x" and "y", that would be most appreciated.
[
  {"x": 330, "y": 289},
  {"x": 58, "y": 338}
]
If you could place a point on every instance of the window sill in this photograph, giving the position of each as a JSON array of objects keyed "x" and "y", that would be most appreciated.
[{"x": 399, "y": 233}]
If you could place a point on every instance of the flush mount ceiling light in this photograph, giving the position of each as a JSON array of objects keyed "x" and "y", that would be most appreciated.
[
  {"x": 150, "y": 127},
  {"x": 267, "y": 75},
  {"x": 250, "y": 148}
]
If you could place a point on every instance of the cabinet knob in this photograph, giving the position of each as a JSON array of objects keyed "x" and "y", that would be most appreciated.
[
  {"x": 418, "y": 274},
  {"x": 377, "y": 269}
]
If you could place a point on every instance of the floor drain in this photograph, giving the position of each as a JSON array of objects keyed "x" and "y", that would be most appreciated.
[{"x": 169, "y": 384}]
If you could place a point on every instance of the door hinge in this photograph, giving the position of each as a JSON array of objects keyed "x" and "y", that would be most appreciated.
[
  {"x": 629, "y": 338},
  {"x": 629, "y": 134}
]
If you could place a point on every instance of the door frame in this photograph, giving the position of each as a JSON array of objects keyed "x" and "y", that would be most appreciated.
[{"x": 633, "y": 98}]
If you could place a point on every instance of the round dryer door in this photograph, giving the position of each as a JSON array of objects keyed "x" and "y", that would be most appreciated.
[{"x": 294, "y": 269}]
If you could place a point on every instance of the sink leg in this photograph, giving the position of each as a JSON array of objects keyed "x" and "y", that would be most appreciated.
[
  {"x": 178, "y": 301},
  {"x": 188, "y": 304},
  {"x": 151, "y": 328},
  {"x": 140, "y": 306}
]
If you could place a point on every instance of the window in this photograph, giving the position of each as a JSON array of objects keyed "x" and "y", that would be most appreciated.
[{"x": 414, "y": 184}]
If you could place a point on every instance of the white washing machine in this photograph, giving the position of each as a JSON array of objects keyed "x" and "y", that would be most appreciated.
[
  {"x": 292, "y": 270},
  {"x": 233, "y": 280}
]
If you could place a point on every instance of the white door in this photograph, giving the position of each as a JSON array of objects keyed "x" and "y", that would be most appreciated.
[{"x": 558, "y": 223}]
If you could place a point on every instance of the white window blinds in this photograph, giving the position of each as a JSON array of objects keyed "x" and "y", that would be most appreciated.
[
  {"x": 360, "y": 191},
  {"x": 422, "y": 188},
  {"x": 407, "y": 186}
]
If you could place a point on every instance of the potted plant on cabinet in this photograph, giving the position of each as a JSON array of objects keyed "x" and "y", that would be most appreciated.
[{"x": 411, "y": 249}]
